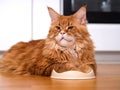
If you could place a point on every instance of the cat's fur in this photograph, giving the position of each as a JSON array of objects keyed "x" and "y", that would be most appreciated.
[{"x": 67, "y": 47}]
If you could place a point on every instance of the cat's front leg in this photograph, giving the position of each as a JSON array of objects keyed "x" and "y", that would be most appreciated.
[
  {"x": 66, "y": 66},
  {"x": 59, "y": 67},
  {"x": 85, "y": 68}
]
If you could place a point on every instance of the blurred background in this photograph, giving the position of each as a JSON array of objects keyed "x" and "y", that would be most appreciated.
[{"x": 25, "y": 20}]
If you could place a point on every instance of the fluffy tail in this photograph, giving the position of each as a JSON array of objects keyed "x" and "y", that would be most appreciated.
[{"x": 11, "y": 67}]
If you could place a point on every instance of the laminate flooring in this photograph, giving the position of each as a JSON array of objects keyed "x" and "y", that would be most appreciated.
[{"x": 108, "y": 78}]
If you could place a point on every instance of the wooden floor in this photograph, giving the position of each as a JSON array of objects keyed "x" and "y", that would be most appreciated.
[{"x": 108, "y": 78}]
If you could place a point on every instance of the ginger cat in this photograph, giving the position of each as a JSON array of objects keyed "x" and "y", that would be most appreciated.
[{"x": 67, "y": 47}]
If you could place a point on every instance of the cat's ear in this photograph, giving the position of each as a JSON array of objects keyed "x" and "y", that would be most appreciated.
[
  {"x": 53, "y": 14},
  {"x": 80, "y": 15}
]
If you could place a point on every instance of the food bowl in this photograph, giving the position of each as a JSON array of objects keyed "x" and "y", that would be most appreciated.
[{"x": 72, "y": 75}]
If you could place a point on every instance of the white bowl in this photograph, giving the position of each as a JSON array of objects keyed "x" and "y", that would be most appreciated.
[{"x": 72, "y": 75}]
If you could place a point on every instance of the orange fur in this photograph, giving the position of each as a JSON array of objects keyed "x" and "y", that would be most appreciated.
[{"x": 67, "y": 47}]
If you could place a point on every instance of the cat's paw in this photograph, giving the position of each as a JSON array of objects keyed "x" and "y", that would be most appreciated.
[
  {"x": 65, "y": 67},
  {"x": 85, "y": 69}
]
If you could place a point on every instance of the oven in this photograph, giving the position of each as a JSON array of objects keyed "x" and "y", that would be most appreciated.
[{"x": 98, "y": 11}]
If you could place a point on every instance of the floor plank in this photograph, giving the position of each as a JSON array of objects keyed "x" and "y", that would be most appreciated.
[{"x": 108, "y": 78}]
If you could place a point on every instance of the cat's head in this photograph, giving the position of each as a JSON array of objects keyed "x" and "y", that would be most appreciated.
[{"x": 66, "y": 30}]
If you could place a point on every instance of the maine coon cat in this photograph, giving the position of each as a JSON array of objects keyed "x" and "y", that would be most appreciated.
[{"x": 68, "y": 46}]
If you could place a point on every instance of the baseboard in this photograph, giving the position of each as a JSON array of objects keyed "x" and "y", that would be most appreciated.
[
  {"x": 1, "y": 53},
  {"x": 107, "y": 57}
]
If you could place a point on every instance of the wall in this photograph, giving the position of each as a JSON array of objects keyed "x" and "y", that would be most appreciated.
[
  {"x": 105, "y": 36},
  {"x": 24, "y": 20},
  {"x": 15, "y": 22},
  {"x": 41, "y": 18}
]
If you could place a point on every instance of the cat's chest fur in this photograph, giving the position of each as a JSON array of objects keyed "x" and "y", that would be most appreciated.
[
  {"x": 70, "y": 51},
  {"x": 71, "y": 55},
  {"x": 54, "y": 50}
]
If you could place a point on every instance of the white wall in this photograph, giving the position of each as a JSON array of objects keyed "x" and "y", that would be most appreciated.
[
  {"x": 15, "y": 22},
  {"x": 23, "y": 20},
  {"x": 106, "y": 37},
  {"x": 41, "y": 18}
]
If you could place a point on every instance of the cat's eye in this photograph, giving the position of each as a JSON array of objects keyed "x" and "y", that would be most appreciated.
[
  {"x": 70, "y": 27},
  {"x": 58, "y": 27}
]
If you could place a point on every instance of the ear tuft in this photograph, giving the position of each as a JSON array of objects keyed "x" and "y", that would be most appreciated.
[
  {"x": 53, "y": 14},
  {"x": 80, "y": 15},
  {"x": 85, "y": 5}
]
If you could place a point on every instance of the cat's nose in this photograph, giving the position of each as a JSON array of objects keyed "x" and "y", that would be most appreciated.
[{"x": 62, "y": 32}]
